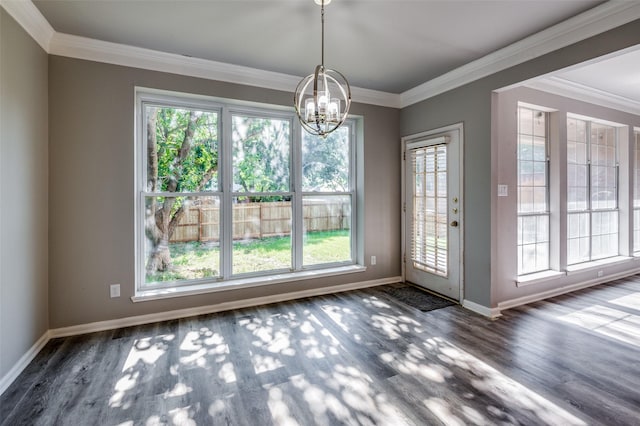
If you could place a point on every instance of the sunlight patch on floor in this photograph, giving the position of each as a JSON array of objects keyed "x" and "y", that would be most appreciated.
[
  {"x": 147, "y": 350},
  {"x": 202, "y": 345},
  {"x": 490, "y": 381},
  {"x": 613, "y": 323},
  {"x": 629, "y": 301}
]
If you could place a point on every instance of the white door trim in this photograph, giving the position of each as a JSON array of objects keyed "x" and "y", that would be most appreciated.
[{"x": 406, "y": 141}]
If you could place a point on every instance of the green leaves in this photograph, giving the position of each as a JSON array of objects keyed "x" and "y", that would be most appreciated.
[
  {"x": 261, "y": 154},
  {"x": 187, "y": 158}
]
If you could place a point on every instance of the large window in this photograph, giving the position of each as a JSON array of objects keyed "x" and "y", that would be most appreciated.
[
  {"x": 533, "y": 191},
  {"x": 636, "y": 192},
  {"x": 592, "y": 191},
  {"x": 228, "y": 192}
]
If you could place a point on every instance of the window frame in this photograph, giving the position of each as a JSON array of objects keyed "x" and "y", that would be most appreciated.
[
  {"x": 227, "y": 108},
  {"x": 635, "y": 199},
  {"x": 547, "y": 212},
  {"x": 590, "y": 210}
]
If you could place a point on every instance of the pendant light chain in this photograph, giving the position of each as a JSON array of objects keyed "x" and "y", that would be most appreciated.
[
  {"x": 322, "y": 99},
  {"x": 322, "y": 32}
]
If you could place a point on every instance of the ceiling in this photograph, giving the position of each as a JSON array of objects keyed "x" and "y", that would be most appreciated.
[{"x": 386, "y": 45}]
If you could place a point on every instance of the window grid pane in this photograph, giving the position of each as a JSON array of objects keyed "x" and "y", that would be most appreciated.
[
  {"x": 533, "y": 191},
  {"x": 592, "y": 191},
  {"x": 192, "y": 249},
  {"x": 636, "y": 193}
]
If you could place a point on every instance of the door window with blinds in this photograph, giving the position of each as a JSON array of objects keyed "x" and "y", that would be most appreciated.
[{"x": 429, "y": 222}]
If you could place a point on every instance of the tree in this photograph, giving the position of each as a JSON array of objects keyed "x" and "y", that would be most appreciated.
[
  {"x": 182, "y": 157},
  {"x": 325, "y": 161},
  {"x": 261, "y": 152}
]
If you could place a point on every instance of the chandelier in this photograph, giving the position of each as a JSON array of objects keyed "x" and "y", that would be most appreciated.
[{"x": 325, "y": 93}]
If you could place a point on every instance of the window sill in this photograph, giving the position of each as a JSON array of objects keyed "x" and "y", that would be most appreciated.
[
  {"x": 167, "y": 293},
  {"x": 587, "y": 266},
  {"x": 538, "y": 277}
]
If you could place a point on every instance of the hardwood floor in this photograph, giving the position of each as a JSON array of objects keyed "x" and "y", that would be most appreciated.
[{"x": 353, "y": 358}]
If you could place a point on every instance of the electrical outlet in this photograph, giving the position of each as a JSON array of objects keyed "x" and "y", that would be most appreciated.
[
  {"x": 373, "y": 260},
  {"x": 114, "y": 290},
  {"x": 600, "y": 273}
]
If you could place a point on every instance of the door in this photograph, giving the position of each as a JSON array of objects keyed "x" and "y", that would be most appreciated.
[{"x": 433, "y": 211}]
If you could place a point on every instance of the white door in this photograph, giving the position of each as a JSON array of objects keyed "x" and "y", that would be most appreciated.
[{"x": 433, "y": 210}]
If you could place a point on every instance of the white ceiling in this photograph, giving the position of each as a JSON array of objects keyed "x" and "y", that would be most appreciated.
[{"x": 386, "y": 45}]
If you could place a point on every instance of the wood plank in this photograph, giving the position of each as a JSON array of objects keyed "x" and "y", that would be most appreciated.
[{"x": 360, "y": 357}]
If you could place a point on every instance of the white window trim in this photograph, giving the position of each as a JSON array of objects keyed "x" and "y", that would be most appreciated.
[
  {"x": 532, "y": 276},
  {"x": 227, "y": 107},
  {"x": 610, "y": 259},
  {"x": 240, "y": 283}
]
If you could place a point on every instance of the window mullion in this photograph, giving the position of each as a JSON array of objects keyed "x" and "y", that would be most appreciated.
[
  {"x": 226, "y": 243},
  {"x": 297, "y": 225}
]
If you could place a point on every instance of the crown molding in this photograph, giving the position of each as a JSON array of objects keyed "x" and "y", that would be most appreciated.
[
  {"x": 590, "y": 23},
  {"x": 567, "y": 88},
  {"x": 29, "y": 17},
  {"x": 120, "y": 54},
  {"x": 55, "y": 43}
]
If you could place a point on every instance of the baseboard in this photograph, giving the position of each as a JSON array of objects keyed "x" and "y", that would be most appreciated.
[
  {"x": 22, "y": 363},
  {"x": 225, "y": 306},
  {"x": 492, "y": 313},
  {"x": 525, "y": 300}
]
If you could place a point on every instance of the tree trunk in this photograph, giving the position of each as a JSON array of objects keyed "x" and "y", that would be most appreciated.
[{"x": 161, "y": 222}]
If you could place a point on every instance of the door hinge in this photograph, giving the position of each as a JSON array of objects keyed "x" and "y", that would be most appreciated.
[
  {"x": 404, "y": 207},
  {"x": 404, "y": 155},
  {"x": 404, "y": 258}
]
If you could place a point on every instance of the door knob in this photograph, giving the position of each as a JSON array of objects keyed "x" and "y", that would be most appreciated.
[{"x": 454, "y": 223}]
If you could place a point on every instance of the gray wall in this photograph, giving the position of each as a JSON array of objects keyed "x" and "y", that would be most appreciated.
[
  {"x": 91, "y": 164},
  {"x": 471, "y": 104},
  {"x": 23, "y": 193}
]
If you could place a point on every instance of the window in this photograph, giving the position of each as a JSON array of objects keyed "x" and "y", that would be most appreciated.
[
  {"x": 636, "y": 193},
  {"x": 592, "y": 191},
  {"x": 228, "y": 192},
  {"x": 533, "y": 191}
]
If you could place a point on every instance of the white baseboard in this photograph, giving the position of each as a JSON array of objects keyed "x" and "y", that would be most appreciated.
[
  {"x": 225, "y": 306},
  {"x": 22, "y": 363},
  {"x": 492, "y": 313},
  {"x": 512, "y": 303}
]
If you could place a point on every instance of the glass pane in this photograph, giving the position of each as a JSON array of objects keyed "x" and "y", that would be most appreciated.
[
  {"x": 261, "y": 234},
  {"x": 182, "y": 150},
  {"x": 261, "y": 154},
  {"x": 540, "y": 148},
  {"x": 525, "y": 121},
  {"x": 325, "y": 161},
  {"x": 636, "y": 230},
  {"x": 542, "y": 256},
  {"x": 636, "y": 164},
  {"x": 182, "y": 238},
  {"x": 327, "y": 229},
  {"x": 578, "y": 244}
]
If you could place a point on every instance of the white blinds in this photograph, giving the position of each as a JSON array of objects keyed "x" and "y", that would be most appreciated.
[{"x": 429, "y": 221}]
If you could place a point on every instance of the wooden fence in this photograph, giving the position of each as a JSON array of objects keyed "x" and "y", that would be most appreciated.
[{"x": 260, "y": 220}]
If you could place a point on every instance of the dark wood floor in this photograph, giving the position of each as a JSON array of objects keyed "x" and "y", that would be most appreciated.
[{"x": 354, "y": 358}]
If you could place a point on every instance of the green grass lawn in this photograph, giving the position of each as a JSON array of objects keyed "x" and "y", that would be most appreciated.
[{"x": 196, "y": 260}]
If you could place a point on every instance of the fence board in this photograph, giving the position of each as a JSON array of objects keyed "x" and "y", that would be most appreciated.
[{"x": 260, "y": 220}]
